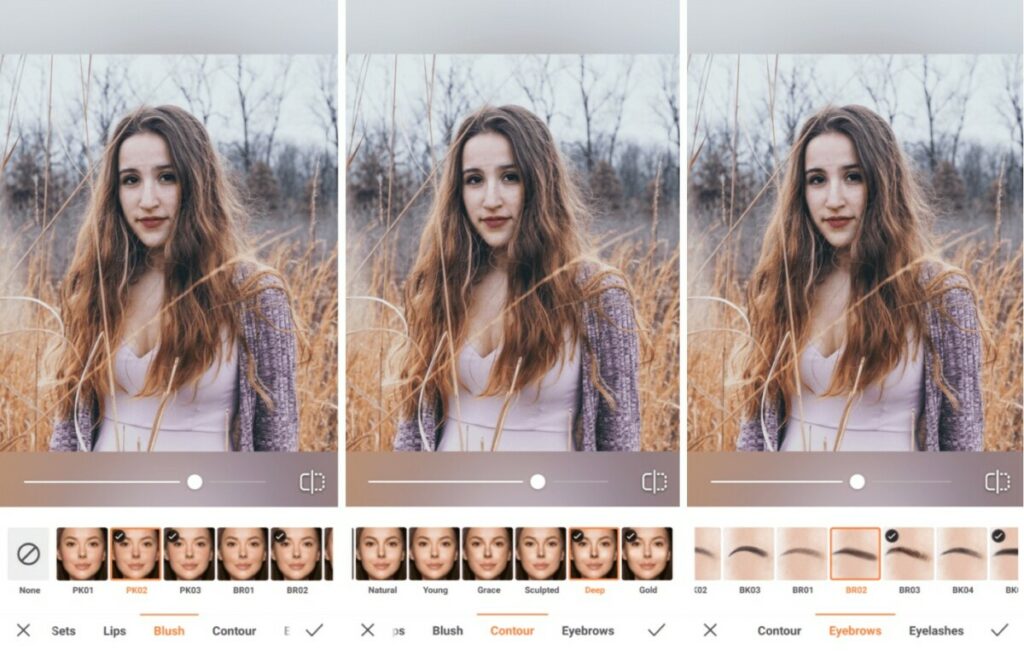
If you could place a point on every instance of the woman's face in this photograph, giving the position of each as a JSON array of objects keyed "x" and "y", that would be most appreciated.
[
  {"x": 243, "y": 552},
  {"x": 296, "y": 552},
  {"x": 648, "y": 552},
  {"x": 148, "y": 188},
  {"x": 492, "y": 188},
  {"x": 381, "y": 551},
  {"x": 136, "y": 552},
  {"x": 488, "y": 551},
  {"x": 82, "y": 552},
  {"x": 541, "y": 551},
  {"x": 434, "y": 550},
  {"x": 834, "y": 188},
  {"x": 329, "y": 548},
  {"x": 594, "y": 552},
  {"x": 190, "y": 552}
]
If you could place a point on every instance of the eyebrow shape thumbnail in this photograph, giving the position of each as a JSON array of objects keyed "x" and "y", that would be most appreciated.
[
  {"x": 703, "y": 550},
  {"x": 1006, "y": 552},
  {"x": 962, "y": 550},
  {"x": 856, "y": 553},
  {"x": 803, "y": 550},
  {"x": 749, "y": 548},
  {"x": 913, "y": 553}
]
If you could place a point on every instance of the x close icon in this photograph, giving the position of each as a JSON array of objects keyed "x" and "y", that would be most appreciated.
[
  {"x": 23, "y": 630},
  {"x": 367, "y": 630},
  {"x": 710, "y": 630}
]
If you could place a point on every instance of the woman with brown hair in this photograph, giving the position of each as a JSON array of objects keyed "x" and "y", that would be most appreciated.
[
  {"x": 861, "y": 338},
  {"x": 519, "y": 341},
  {"x": 174, "y": 340}
]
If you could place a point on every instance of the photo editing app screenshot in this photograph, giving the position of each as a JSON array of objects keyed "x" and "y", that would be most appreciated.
[
  {"x": 854, "y": 360},
  {"x": 512, "y": 323},
  {"x": 169, "y": 324}
]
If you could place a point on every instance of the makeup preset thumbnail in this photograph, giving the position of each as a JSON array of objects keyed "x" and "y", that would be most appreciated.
[{"x": 855, "y": 553}]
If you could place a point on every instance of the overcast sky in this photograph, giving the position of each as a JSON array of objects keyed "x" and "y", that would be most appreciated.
[
  {"x": 151, "y": 80},
  {"x": 493, "y": 80}
]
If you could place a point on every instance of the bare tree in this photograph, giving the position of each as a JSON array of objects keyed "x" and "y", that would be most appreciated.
[
  {"x": 879, "y": 75},
  {"x": 1012, "y": 113},
  {"x": 592, "y": 102},
  {"x": 326, "y": 107},
  {"x": 258, "y": 99},
  {"x": 936, "y": 99},
  {"x": 451, "y": 101},
  {"x": 191, "y": 75},
  {"x": 535, "y": 77},
  {"x": 275, "y": 98},
  {"x": 617, "y": 103},
  {"x": 797, "y": 99},
  {"x": 960, "y": 100}
]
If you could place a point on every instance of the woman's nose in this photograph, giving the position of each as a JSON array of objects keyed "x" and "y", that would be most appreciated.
[
  {"x": 243, "y": 552},
  {"x": 593, "y": 551},
  {"x": 81, "y": 551},
  {"x": 487, "y": 551},
  {"x": 834, "y": 199},
  {"x": 492, "y": 195},
  {"x": 148, "y": 198},
  {"x": 189, "y": 551},
  {"x": 136, "y": 552},
  {"x": 434, "y": 551},
  {"x": 381, "y": 552},
  {"x": 541, "y": 552},
  {"x": 296, "y": 551}
]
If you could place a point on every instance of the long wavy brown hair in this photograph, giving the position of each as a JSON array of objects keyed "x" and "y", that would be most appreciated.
[
  {"x": 546, "y": 290},
  {"x": 893, "y": 271},
  {"x": 202, "y": 297}
]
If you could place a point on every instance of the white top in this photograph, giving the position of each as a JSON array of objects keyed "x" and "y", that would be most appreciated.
[
  {"x": 196, "y": 419},
  {"x": 540, "y": 417},
  {"x": 882, "y": 418}
]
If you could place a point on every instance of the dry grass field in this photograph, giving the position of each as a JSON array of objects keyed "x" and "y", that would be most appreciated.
[
  {"x": 28, "y": 329},
  {"x": 375, "y": 332},
  {"x": 716, "y": 331}
]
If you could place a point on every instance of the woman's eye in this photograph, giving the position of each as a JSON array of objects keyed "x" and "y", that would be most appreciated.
[
  {"x": 511, "y": 177},
  {"x": 854, "y": 177},
  {"x": 472, "y": 180},
  {"x": 817, "y": 179},
  {"x": 168, "y": 177},
  {"x": 230, "y": 544},
  {"x": 129, "y": 180}
]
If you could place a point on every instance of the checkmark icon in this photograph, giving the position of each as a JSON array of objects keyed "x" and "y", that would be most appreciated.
[
  {"x": 999, "y": 535},
  {"x": 1000, "y": 632},
  {"x": 314, "y": 631},
  {"x": 655, "y": 633},
  {"x": 892, "y": 535}
]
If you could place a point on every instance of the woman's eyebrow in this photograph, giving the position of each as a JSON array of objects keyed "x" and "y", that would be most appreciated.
[
  {"x": 703, "y": 550},
  {"x": 961, "y": 550},
  {"x": 749, "y": 548},
  {"x": 803, "y": 550},
  {"x": 913, "y": 553},
  {"x": 856, "y": 553},
  {"x": 1012, "y": 551}
]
